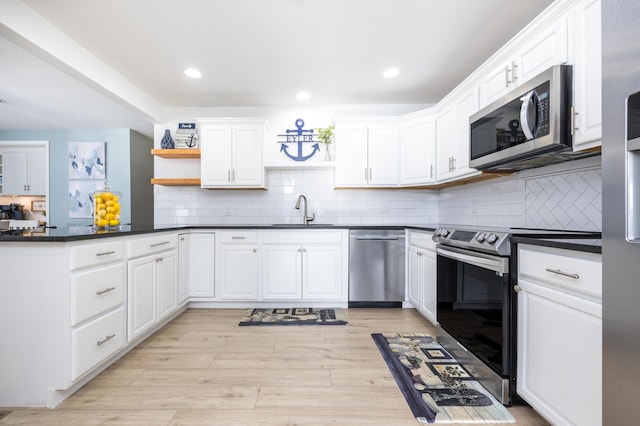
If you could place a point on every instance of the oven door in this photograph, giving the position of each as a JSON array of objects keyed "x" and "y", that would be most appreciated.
[{"x": 474, "y": 303}]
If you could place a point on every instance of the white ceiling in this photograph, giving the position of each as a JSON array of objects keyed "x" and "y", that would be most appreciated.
[{"x": 251, "y": 53}]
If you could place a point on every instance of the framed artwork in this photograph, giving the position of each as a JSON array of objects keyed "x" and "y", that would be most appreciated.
[
  {"x": 38, "y": 206},
  {"x": 452, "y": 370},
  {"x": 80, "y": 202},
  {"x": 86, "y": 160},
  {"x": 438, "y": 353}
]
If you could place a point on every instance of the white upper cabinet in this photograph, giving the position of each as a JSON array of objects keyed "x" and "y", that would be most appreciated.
[
  {"x": 231, "y": 153},
  {"x": 417, "y": 150},
  {"x": 452, "y": 136},
  {"x": 544, "y": 47},
  {"x": 366, "y": 153},
  {"x": 24, "y": 171},
  {"x": 587, "y": 75}
]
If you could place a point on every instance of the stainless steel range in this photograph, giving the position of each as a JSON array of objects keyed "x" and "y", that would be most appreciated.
[{"x": 475, "y": 305}]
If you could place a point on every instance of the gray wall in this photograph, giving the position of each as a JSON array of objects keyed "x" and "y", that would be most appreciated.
[
  {"x": 119, "y": 153},
  {"x": 141, "y": 172}
]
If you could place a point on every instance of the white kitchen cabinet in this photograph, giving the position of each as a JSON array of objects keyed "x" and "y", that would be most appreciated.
[
  {"x": 232, "y": 153},
  {"x": 528, "y": 55},
  {"x": 452, "y": 135},
  {"x": 587, "y": 74},
  {"x": 197, "y": 266},
  {"x": 417, "y": 150},
  {"x": 237, "y": 270},
  {"x": 366, "y": 153},
  {"x": 24, "y": 171},
  {"x": 152, "y": 282},
  {"x": 422, "y": 274},
  {"x": 559, "y": 371},
  {"x": 304, "y": 265}
]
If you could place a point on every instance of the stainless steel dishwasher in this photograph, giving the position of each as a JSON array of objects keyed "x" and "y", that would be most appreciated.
[{"x": 376, "y": 268}]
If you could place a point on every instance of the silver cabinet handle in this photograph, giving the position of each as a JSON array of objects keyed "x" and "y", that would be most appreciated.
[
  {"x": 573, "y": 121},
  {"x": 366, "y": 174},
  {"x": 431, "y": 172},
  {"x": 517, "y": 288},
  {"x": 237, "y": 238},
  {"x": 159, "y": 259},
  {"x": 106, "y": 290},
  {"x": 160, "y": 244},
  {"x": 229, "y": 175},
  {"x": 564, "y": 274},
  {"x": 514, "y": 75},
  {"x": 370, "y": 173},
  {"x": 105, "y": 340},
  {"x": 506, "y": 76},
  {"x": 105, "y": 253},
  {"x": 453, "y": 164}
]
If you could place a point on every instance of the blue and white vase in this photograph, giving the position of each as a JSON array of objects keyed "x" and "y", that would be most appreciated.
[{"x": 167, "y": 140}]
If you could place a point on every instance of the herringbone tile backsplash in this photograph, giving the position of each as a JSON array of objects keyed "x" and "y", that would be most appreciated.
[{"x": 565, "y": 201}]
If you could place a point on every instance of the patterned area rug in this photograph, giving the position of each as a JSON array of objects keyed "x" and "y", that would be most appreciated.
[
  {"x": 295, "y": 316},
  {"x": 437, "y": 388}
]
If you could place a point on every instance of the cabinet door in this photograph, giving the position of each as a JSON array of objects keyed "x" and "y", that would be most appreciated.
[
  {"x": 430, "y": 288},
  {"x": 465, "y": 106},
  {"x": 184, "y": 278},
  {"x": 215, "y": 156},
  {"x": 382, "y": 155},
  {"x": 166, "y": 277},
  {"x": 351, "y": 155},
  {"x": 247, "y": 168},
  {"x": 587, "y": 75},
  {"x": 559, "y": 355},
  {"x": 238, "y": 272},
  {"x": 322, "y": 272},
  {"x": 38, "y": 173},
  {"x": 282, "y": 272},
  {"x": 496, "y": 83},
  {"x": 15, "y": 173},
  {"x": 546, "y": 48},
  {"x": 445, "y": 143},
  {"x": 415, "y": 277},
  {"x": 417, "y": 151},
  {"x": 201, "y": 265},
  {"x": 141, "y": 302}
]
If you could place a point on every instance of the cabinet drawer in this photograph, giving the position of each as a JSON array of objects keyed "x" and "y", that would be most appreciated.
[
  {"x": 577, "y": 271},
  {"x": 247, "y": 237},
  {"x": 422, "y": 240},
  {"x": 96, "y": 341},
  {"x": 150, "y": 245},
  {"x": 96, "y": 291},
  {"x": 85, "y": 255},
  {"x": 302, "y": 237}
]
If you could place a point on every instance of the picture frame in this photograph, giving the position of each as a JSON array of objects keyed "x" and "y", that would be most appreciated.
[
  {"x": 450, "y": 369},
  {"x": 39, "y": 206},
  {"x": 87, "y": 160}
]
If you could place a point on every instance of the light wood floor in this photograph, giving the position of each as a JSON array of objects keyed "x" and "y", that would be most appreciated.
[{"x": 204, "y": 369}]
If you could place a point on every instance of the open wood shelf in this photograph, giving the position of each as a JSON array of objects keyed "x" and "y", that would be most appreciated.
[
  {"x": 176, "y": 153},
  {"x": 176, "y": 181}
]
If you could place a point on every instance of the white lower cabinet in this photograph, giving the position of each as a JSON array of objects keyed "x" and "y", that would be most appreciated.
[
  {"x": 152, "y": 282},
  {"x": 304, "y": 265},
  {"x": 422, "y": 274},
  {"x": 559, "y": 347},
  {"x": 197, "y": 266},
  {"x": 237, "y": 269}
]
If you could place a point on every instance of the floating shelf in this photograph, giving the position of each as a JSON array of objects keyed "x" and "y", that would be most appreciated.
[
  {"x": 176, "y": 153},
  {"x": 176, "y": 181}
]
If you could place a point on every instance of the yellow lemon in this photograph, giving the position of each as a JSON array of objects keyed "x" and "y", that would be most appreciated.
[
  {"x": 103, "y": 222},
  {"x": 102, "y": 213},
  {"x": 114, "y": 222},
  {"x": 116, "y": 206},
  {"x": 102, "y": 206},
  {"x": 110, "y": 209},
  {"x": 98, "y": 200},
  {"x": 107, "y": 196},
  {"x": 109, "y": 203},
  {"x": 109, "y": 216},
  {"x": 115, "y": 197}
]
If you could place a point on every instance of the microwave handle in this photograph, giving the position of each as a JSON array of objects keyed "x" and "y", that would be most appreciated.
[{"x": 527, "y": 102}]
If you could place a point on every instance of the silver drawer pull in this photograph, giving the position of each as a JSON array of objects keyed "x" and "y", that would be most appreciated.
[
  {"x": 105, "y": 253},
  {"x": 160, "y": 244},
  {"x": 238, "y": 238},
  {"x": 105, "y": 340},
  {"x": 566, "y": 274},
  {"x": 106, "y": 290}
]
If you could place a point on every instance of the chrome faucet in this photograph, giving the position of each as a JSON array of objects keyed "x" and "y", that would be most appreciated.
[{"x": 305, "y": 219}]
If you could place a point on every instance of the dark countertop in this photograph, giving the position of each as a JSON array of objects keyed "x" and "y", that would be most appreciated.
[{"x": 581, "y": 241}]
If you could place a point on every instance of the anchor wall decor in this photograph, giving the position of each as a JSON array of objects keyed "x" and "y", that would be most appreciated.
[{"x": 299, "y": 136}]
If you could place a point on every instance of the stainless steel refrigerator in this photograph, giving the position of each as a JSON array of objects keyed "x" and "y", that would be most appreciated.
[{"x": 621, "y": 211}]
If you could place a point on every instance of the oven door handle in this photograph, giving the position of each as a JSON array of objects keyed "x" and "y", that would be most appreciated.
[{"x": 481, "y": 260}]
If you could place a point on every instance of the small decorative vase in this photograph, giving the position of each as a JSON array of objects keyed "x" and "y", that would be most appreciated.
[
  {"x": 167, "y": 140},
  {"x": 327, "y": 152}
]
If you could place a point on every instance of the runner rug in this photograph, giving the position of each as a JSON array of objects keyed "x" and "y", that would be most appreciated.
[
  {"x": 294, "y": 316},
  {"x": 436, "y": 387}
]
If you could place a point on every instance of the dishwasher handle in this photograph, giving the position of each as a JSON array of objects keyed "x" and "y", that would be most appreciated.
[{"x": 366, "y": 238}]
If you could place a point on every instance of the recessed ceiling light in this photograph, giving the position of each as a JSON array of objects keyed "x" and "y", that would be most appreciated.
[
  {"x": 303, "y": 96},
  {"x": 391, "y": 73},
  {"x": 193, "y": 73},
  {"x": 2, "y": 100}
]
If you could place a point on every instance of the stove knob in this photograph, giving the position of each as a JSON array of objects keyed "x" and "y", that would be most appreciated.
[
  {"x": 492, "y": 238},
  {"x": 481, "y": 237},
  {"x": 444, "y": 232}
]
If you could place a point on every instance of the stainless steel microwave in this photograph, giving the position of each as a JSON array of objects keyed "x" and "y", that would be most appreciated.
[{"x": 529, "y": 127}]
